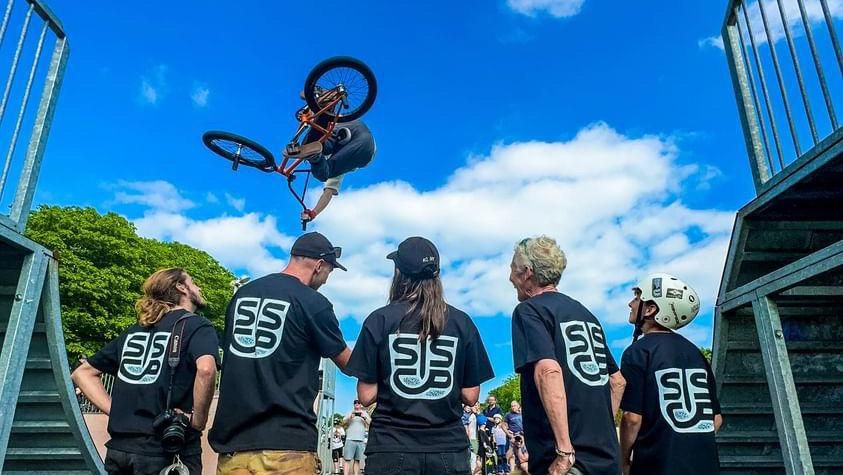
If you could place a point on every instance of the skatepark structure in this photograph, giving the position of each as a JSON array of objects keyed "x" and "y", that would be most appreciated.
[{"x": 778, "y": 332}]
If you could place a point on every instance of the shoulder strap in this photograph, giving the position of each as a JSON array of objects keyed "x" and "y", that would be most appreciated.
[{"x": 173, "y": 355}]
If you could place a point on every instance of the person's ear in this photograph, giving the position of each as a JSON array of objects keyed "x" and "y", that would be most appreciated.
[{"x": 650, "y": 309}]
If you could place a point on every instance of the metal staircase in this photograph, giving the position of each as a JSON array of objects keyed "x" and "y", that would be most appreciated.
[
  {"x": 41, "y": 427},
  {"x": 778, "y": 336}
]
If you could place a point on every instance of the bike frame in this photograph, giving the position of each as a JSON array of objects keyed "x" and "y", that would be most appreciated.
[{"x": 308, "y": 120}]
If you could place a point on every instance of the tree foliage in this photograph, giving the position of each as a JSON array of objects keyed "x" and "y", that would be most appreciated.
[
  {"x": 706, "y": 353},
  {"x": 102, "y": 265}
]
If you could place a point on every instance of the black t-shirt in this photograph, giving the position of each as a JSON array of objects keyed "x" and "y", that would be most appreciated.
[
  {"x": 552, "y": 325},
  {"x": 138, "y": 359},
  {"x": 670, "y": 384},
  {"x": 277, "y": 329},
  {"x": 419, "y": 404}
]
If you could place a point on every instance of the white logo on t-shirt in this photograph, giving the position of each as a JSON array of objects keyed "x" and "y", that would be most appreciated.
[
  {"x": 585, "y": 349},
  {"x": 422, "y": 370},
  {"x": 684, "y": 399},
  {"x": 143, "y": 357},
  {"x": 258, "y": 326}
]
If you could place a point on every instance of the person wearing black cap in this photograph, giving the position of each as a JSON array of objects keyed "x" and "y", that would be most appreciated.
[
  {"x": 420, "y": 359},
  {"x": 277, "y": 329}
]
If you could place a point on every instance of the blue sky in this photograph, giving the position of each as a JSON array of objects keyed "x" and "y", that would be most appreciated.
[{"x": 610, "y": 127}]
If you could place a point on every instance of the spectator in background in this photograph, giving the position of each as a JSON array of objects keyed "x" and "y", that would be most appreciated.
[
  {"x": 337, "y": 442},
  {"x": 500, "y": 438},
  {"x": 469, "y": 421},
  {"x": 517, "y": 456},
  {"x": 513, "y": 421},
  {"x": 355, "y": 438},
  {"x": 492, "y": 409}
]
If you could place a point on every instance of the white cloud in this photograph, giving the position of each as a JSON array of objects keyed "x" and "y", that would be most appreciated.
[
  {"x": 249, "y": 242},
  {"x": 612, "y": 201},
  {"x": 237, "y": 203},
  {"x": 154, "y": 85},
  {"x": 199, "y": 95},
  {"x": 555, "y": 8},
  {"x": 813, "y": 11},
  {"x": 211, "y": 198},
  {"x": 157, "y": 195},
  {"x": 711, "y": 41}
]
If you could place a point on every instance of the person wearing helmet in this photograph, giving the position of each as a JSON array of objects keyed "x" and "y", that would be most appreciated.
[{"x": 670, "y": 402}]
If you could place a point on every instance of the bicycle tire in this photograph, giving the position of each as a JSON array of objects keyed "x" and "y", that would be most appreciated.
[
  {"x": 337, "y": 62},
  {"x": 256, "y": 156}
]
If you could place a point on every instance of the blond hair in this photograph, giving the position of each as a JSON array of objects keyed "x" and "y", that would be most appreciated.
[
  {"x": 160, "y": 295},
  {"x": 541, "y": 254}
]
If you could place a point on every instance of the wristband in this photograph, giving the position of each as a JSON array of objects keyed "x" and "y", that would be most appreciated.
[{"x": 562, "y": 453}]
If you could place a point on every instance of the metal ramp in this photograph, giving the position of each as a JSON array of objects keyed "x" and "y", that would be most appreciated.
[
  {"x": 778, "y": 336},
  {"x": 41, "y": 427}
]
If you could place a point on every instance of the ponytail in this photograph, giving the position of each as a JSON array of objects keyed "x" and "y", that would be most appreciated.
[{"x": 159, "y": 295}]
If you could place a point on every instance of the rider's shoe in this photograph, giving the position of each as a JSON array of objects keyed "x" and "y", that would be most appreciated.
[{"x": 307, "y": 150}]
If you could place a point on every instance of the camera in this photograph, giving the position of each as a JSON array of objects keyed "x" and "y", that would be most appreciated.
[{"x": 172, "y": 428}]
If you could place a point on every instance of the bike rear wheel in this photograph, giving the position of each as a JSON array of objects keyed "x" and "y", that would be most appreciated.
[
  {"x": 239, "y": 150},
  {"x": 350, "y": 73}
]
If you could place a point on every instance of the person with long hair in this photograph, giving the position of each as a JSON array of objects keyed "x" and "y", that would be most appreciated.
[
  {"x": 146, "y": 386},
  {"x": 420, "y": 359}
]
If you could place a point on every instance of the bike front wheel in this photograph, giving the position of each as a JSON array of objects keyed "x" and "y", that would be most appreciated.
[{"x": 353, "y": 76}]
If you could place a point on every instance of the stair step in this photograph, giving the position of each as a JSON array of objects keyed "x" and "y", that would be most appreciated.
[
  {"x": 798, "y": 379},
  {"x": 792, "y": 346},
  {"x": 40, "y": 426},
  {"x": 755, "y": 408},
  {"x": 19, "y": 453},
  {"x": 30, "y": 397},
  {"x": 39, "y": 363},
  {"x": 757, "y": 437},
  {"x": 773, "y": 461}
]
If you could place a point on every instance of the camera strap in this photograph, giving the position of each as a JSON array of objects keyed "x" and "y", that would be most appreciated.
[{"x": 173, "y": 355}]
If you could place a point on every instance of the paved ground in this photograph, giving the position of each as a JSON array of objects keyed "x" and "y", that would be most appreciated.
[{"x": 97, "y": 426}]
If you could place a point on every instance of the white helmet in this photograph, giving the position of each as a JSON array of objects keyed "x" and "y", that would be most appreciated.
[{"x": 678, "y": 303}]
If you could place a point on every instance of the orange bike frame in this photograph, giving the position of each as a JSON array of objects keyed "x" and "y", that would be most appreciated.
[{"x": 307, "y": 119}]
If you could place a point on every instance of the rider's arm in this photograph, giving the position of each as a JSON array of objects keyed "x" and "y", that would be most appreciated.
[{"x": 324, "y": 200}]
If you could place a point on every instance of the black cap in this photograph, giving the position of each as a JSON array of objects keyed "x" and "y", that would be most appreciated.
[
  {"x": 316, "y": 246},
  {"x": 416, "y": 257}
]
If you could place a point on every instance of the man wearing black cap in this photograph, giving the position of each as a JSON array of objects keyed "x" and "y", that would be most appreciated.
[
  {"x": 420, "y": 359},
  {"x": 277, "y": 329}
]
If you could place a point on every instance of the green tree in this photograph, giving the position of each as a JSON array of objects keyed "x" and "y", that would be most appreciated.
[
  {"x": 507, "y": 392},
  {"x": 102, "y": 265},
  {"x": 707, "y": 353}
]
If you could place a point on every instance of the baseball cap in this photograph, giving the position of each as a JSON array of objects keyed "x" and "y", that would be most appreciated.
[
  {"x": 416, "y": 257},
  {"x": 316, "y": 246}
]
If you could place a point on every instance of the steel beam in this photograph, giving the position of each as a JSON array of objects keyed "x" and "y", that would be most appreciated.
[{"x": 791, "y": 430}]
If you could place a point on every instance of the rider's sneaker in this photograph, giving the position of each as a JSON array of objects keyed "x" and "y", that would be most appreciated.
[{"x": 307, "y": 150}]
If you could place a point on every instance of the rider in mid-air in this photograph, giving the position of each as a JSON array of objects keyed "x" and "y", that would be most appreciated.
[{"x": 351, "y": 146}]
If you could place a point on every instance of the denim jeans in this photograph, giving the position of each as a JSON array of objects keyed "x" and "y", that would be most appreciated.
[
  {"x": 118, "y": 462},
  {"x": 356, "y": 153},
  {"x": 409, "y": 463}
]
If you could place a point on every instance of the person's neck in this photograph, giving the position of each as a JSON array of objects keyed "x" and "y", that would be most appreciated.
[
  {"x": 302, "y": 274},
  {"x": 538, "y": 290},
  {"x": 653, "y": 327},
  {"x": 186, "y": 306}
]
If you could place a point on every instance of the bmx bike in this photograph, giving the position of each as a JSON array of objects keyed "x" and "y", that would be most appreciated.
[{"x": 339, "y": 89}]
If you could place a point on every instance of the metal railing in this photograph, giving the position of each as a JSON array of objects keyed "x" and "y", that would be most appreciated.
[
  {"x": 38, "y": 30},
  {"x": 782, "y": 118},
  {"x": 86, "y": 405}
]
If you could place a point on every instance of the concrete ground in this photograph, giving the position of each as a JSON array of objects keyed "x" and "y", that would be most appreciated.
[{"x": 97, "y": 424}]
